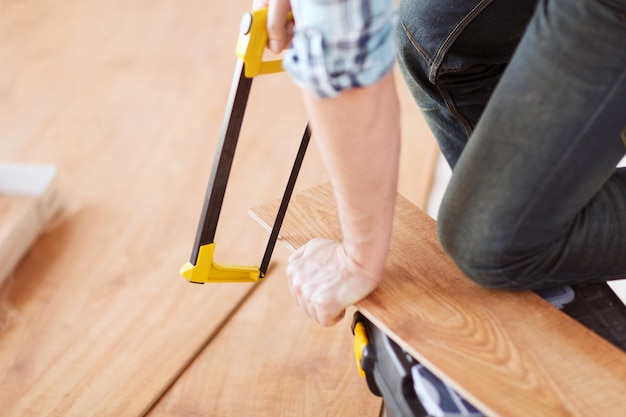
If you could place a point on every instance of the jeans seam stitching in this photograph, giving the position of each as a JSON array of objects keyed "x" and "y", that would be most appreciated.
[
  {"x": 455, "y": 112},
  {"x": 419, "y": 49},
  {"x": 453, "y": 35}
]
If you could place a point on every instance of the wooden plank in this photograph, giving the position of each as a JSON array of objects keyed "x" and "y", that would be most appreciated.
[
  {"x": 269, "y": 361},
  {"x": 28, "y": 200},
  {"x": 18, "y": 230},
  {"x": 509, "y": 353}
]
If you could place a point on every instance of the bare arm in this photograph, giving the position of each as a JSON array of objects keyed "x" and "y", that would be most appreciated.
[{"x": 358, "y": 136}]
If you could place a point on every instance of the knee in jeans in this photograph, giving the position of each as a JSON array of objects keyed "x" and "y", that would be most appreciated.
[{"x": 475, "y": 251}]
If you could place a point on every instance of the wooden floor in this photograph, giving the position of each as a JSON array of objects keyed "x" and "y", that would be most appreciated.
[{"x": 126, "y": 98}]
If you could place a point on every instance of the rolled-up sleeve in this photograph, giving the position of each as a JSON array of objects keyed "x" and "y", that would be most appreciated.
[{"x": 340, "y": 44}]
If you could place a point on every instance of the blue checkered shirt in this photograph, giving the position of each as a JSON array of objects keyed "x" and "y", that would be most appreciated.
[{"x": 340, "y": 44}]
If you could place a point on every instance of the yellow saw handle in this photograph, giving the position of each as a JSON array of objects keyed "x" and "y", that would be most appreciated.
[{"x": 252, "y": 42}]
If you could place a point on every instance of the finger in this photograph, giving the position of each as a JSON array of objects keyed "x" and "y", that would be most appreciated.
[
  {"x": 296, "y": 286},
  {"x": 277, "y": 28},
  {"x": 332, "y": 320},
  {"x": 311, "y": 246},
  {"x": 291, "y": 276},
  {"x": 321, "y": 309},
  {"x": 329, "y": 314},
  {"x": 302, "y": 250},
  {"x": 311, "y": 311},
  {"x": 296, "y": 255}
]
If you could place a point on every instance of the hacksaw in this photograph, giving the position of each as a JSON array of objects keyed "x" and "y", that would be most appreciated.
[{"x": 202, "y": 267}]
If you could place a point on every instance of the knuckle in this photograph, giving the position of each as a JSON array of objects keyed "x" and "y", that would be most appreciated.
[{"x": 321, "y": 304}]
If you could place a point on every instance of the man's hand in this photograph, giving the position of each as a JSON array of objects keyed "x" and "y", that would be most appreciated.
[
  {"x": 279, "y": 29},
  {"x": 324, "y": 280}
]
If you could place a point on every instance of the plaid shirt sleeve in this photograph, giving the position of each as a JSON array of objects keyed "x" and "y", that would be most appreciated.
[{"x": 340, "y": 44}]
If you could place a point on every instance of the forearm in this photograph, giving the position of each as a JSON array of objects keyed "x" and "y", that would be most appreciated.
[
  {"x": 358, "y": 136},
  {"x": 337, "y": 48}
]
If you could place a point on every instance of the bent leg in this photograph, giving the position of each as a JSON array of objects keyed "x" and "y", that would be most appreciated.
[{"x": 535, "y": 199}]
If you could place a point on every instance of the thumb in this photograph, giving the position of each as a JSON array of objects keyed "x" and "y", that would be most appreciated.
[{"x": 279, "y": 30}]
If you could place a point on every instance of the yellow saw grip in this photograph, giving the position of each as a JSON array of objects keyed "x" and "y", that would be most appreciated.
[{"x": 252, "y": 42}]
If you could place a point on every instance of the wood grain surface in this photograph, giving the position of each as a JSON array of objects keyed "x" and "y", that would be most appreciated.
[
  {"x": 269, "y": 360},
  {"x": 511, "y": 354},
  {"x": 126, "y": 98}
]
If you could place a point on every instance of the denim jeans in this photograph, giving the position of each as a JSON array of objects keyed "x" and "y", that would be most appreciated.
[{"x": 527, "y": 100}]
